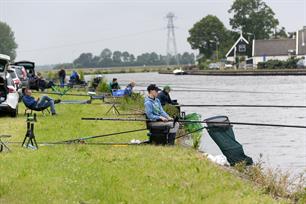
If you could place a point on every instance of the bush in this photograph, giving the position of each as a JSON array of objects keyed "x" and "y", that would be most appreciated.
[
  {"x": 290, "y": 63},
  {"x": 103, "y": 86},
  {"x": 81, "y": 75}
]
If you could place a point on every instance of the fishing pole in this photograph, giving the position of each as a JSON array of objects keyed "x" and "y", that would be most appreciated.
[
  {"x": 240, "y": 105},
  {"x": 197, "y": 121},
  {"x": 96, "y": 136},
  {"x": 66, "y": 94},
  {"x": 224, "y": 91}
]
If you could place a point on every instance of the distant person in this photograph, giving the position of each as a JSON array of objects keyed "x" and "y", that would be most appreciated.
[
  {"x": 155, "y": 112},
  {"x": 164, "y": 96},
  {"x": 74, "y": 77},
  {"x": 42, "y": 84},
  {"x": 114, "y": 85},
  {"x": 43, "y": 102},
  {"x": 62, "y": 77},
  {"x": 129, "y": 88}
]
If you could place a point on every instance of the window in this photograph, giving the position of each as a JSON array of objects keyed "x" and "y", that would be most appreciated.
[{"x": 242, "y": 48}]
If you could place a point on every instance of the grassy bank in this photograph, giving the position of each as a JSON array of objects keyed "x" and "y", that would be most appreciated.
[{"x": 80, "y": 173}]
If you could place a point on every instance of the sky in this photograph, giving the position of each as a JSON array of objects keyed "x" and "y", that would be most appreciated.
[{"x": 58, "y": 31}]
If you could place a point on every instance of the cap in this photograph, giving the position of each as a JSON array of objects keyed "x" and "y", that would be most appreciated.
[
  {"x": 152, "y": 87},
  {"x": 167, "y": 88}
]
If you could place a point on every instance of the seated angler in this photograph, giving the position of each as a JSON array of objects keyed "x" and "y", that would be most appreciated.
[
  {"x": 129, "y": 88},
  {"x": 43, "y": 102},
  {"x": 164, "y": 96},
  {"x": 114, "y": 85},
  {"x": 154, "y": 112}
]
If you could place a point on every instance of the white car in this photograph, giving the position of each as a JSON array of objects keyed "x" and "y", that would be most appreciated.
[
  {"x": 9, "y": 96},
  {"x": 301, "y": 63},
  {"x": 214, "y": 65}
]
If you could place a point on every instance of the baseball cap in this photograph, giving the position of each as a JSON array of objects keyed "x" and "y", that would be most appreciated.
[
  {"x": 167, "y": 88},
  {"x": 152, "y": 87}
]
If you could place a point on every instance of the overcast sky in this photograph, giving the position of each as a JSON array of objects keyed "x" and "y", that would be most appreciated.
[{"x": 57, "y": 31}]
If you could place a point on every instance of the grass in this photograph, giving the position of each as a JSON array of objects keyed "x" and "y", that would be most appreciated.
[{"x": 80, "y": 173}]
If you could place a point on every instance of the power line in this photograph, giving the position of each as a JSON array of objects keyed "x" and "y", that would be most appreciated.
[{"x": 93, "y": 41}]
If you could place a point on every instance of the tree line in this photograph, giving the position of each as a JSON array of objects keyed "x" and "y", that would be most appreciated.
[{"x": 107, "y": 58}]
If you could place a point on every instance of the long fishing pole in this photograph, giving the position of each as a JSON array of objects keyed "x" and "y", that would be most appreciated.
[
  {"x": 96, "y": 136},
  {"x": 239, "y": 105},
  {"x": 68, "y": 94},
  {"x": 223, "y": 91},
  {"x": 198, "y": 121}
]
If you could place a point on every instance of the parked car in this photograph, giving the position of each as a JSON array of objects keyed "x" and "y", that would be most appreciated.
[
  {"x": 15, "y": 78},
  {"x": 9, "y": 96},
  {"x": 22, "y": 75},
  {"x": 17, "y": 82},
  {"x": 228, "y": 66},
  {"x": 301, "y": 63},
  {"x": 214, "y": 65},
  {"x": 31, "y": 74}
]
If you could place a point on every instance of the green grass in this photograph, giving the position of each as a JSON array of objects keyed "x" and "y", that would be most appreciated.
[{"x": 80, "y": 173}]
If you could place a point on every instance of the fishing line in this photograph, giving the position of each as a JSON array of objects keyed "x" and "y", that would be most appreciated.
[
  {"x": 240, "y": 105},
  {"x": 195, "y": 121}
]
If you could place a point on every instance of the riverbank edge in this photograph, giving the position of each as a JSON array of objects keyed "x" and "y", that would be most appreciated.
[{"x": 287, "y": 72}]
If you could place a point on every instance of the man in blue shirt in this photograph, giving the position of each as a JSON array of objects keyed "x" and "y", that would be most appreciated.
[
  {"x": 43, "y": 102},
  {"x": 155, "y": 113}
]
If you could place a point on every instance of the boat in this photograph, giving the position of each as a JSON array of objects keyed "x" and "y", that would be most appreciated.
[{"x": 179, "y": 72}]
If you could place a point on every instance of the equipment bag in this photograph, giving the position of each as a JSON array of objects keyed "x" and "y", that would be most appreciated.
[
  {"x": 224, "y": 137},
  {"x": 118, "y": 93}
]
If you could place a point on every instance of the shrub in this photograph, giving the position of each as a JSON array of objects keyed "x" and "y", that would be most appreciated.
[{"x": 103, "y": 86}]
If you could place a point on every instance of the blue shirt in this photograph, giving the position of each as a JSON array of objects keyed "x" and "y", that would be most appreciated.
[
  {"x": 154, "y": 109},
  {"x": 29, "y": 101}
]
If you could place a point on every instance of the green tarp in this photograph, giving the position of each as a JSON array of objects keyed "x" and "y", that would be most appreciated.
[{"x": 224, "y": 137}]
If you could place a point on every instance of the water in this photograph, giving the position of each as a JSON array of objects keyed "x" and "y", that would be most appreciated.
[{"x": 283, "y": 148}]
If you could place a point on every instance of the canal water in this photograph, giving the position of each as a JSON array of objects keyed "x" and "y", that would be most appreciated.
[{"x": 283, "y": 148}]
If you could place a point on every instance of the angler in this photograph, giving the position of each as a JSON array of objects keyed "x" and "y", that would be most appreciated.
[{"x": 164, "y": 131}]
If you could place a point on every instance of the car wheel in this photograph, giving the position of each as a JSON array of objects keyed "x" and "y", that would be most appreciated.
[{"x": 14, "y": 112}]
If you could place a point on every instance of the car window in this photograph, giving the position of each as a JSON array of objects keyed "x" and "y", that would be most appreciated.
[
  {"x": 2, "y": 65},
  {"x": 9, "y": 80},
  {"x": 13, "y": 75},
  {"x": 19, "y": 72}
]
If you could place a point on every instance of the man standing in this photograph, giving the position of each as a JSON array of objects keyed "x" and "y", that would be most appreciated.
[
  {"x": 43, "y": 102},
  {"x": 155, "y": 112},
  {"x": 62, "y": 77}
]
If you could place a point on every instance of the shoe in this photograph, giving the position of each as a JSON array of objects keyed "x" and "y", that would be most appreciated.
[
  {"x": 57, "y": 101},
  {"x": 53, "y": 113}
]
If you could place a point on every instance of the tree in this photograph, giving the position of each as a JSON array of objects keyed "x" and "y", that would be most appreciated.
[
  {"x": 117, "y": 58},
  {"x": 125, "y": 57},
  {"x": 7, "y": 41},
  {"x": 106, "y": 58},
  {"x": 209, "y": 35},
  {"x": 84, "y": 60},
  {"x": 253, "y": 17},
  {"x": 281, "y": 33}
]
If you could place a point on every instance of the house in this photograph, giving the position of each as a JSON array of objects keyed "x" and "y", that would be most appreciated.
[
  {"x": 263, "y": 50},
  {"x": 239, "y": 49},
  {"x": 279, "y": 49}
]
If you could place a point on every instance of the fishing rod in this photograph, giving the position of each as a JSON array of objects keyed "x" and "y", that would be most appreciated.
[
  {"x": 96, "y": 136},
  {"x": 68, "y": 94},
  {"x": 240, "y": 105},
  {"x": 197, "y": 121},
  {"x": 223, "y": 91}
]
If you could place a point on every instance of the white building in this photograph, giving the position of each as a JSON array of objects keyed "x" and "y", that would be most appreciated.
[{"x": 279, "y": 49}]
